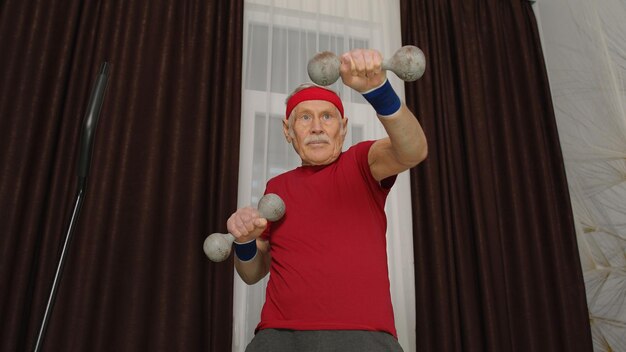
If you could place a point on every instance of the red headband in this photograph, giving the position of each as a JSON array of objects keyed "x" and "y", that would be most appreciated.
[{"x": 313, "y": 93}]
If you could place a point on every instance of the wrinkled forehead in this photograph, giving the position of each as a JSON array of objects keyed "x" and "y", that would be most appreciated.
[
  {"x": 316, "y": 106},
  {"x": 312, "y": 94}
]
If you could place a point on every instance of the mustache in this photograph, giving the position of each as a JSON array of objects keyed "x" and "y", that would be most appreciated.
[{"x": 316, "y": 139}]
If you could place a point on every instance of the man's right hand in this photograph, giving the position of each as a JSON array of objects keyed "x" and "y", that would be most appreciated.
[{"x": 246, "y": 224}]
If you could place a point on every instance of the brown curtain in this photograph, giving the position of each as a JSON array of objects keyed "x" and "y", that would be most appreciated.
[
  {"x": 497, "y": 266},
  {"x": 163, "y": 172}
]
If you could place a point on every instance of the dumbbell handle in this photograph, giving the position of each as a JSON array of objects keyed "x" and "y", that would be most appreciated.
[
  {"x": 408, "y": 63},
  {"x": 217, "y": 246}
]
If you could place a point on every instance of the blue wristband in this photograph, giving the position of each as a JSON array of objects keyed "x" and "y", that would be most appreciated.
[
  {"x": 245, "y": 251},
  {"x": 383, "y": 99}
]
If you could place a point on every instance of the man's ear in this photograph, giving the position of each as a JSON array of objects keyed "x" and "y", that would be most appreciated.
[
  {"x": 286, "y": 130},
  {"x": 344, "y": 123}
]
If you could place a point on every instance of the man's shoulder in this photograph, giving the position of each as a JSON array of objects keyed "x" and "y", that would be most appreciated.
[
  {"x": 282, "y": 177},
  {"x": 359, "y": 151},
  {"x": 362, "y": 146}
]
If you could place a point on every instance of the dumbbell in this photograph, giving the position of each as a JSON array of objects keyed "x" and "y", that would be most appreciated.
[
  {"x": 217, "y": 246},
  {"x": 408, "y": 63}
]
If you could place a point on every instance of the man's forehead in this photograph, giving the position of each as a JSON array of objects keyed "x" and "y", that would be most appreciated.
[
  {"x": 315, "y": 105},
  {"x": 312, "y": 94}
]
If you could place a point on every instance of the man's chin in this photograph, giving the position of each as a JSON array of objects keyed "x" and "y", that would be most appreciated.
[{"x": 319, "y": 160}]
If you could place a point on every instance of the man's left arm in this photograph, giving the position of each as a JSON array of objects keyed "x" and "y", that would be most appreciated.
[
  {"x": 361, "y": 69},
  {"x": 404, "y": 148}
]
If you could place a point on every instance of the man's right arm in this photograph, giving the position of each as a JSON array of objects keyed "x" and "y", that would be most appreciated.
[
  {"x": 253, "y": 270},
  {"x": 247, "y": 225}
]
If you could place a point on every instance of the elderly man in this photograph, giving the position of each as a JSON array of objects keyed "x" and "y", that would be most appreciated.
[{"x": 329, "y": 286}]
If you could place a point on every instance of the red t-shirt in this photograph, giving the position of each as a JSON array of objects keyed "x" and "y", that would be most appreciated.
[{"x": 329, "y": 260}]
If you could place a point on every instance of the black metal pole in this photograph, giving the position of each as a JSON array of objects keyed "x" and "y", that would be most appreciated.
[
  {"x": 86, "y": 143},
  {"x": 57, "y": 275}
]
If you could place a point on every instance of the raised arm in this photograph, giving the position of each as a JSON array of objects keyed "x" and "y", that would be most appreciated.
[{"x": 406, "y": 145}]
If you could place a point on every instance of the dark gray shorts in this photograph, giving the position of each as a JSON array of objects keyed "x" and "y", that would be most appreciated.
[{"x": 273, "y": 340}]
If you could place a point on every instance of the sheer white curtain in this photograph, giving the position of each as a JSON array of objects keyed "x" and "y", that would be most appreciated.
[
  {"x": 584, "y": 43},
  {"x": 279, "y": 39}
]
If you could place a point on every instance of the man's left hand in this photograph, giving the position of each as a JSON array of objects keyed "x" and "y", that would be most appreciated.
[{"x": 361, "y": 69}]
